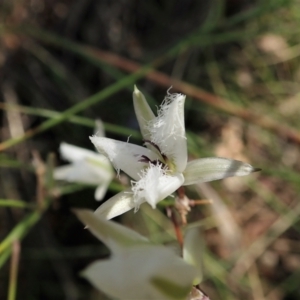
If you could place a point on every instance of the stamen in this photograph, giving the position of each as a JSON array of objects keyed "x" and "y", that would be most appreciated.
[
  {"x": 157, "y": 147},
  {"x": 144, "y": 159},
  {"x": 155, "y": 162}
]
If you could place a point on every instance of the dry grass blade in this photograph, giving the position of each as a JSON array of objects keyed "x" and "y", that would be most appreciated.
[
  {"x": 14, "y": 120},
  {"x": 252, "y": 253},
  {"x": 215, "y": 101},
  {"x": 14, "y": 268},
  {"x": 227, "y": 227}
]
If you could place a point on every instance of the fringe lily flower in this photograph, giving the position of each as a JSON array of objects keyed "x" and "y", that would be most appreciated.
[
  {"x": 136, "y": 269},
  {"x": 86, "y": 167},
  {"x": 161, "y": 167}
]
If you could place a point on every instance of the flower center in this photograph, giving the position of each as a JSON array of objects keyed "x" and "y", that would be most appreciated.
[{"x": 163, "y": 162}]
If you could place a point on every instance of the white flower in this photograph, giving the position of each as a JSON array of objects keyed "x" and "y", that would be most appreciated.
[
  {"x": 162, "y": 167},
  {"x": 86, "y": 167},
  {"x": 136, "y": 269}
]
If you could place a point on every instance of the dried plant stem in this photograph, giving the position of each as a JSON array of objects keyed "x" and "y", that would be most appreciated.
[
  {"x": 172, "y": 216},
  {"x": 14, "y": 267},
  {"x": 201, "y": 95},
  {"x": 200, "y": 202},
  {"x": 40, "y": 171}
]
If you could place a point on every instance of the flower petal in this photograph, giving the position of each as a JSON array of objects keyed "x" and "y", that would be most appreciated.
[
  {"x": 136, "y": 267},
  {"x": 214, "y": 168},
  {"x": 134, "y": 274},
  {"x": 84, "y": 172},
  {"x": 115, "y": 236},
  {"x": 99, "y": 128},
  {"x": 73, "y": 153},
  {"x": 168, "y": 131},
  {"x": 155, "y": 185},
  {"x": 124, "y": 156},
  {"x": 117, "y": 205},
  {"x": 143, "y": 112},
  {"x": 101, "y": 190},
  {"x": 193, "y": 251},
  {"x": 63, "y": 173}
]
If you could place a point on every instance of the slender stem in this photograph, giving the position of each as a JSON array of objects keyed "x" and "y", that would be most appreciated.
[
  {"x": 200, "y": 202},
  {"x": 90, "y": 101},
  {"x": 51, "y": 114},
  {"x": 181, "y": 192},
  {"x": 171, "y": 215},
  {"x": 14, "y": 268}
]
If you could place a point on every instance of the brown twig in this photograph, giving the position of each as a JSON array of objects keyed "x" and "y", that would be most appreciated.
[
  {"x": 40, "y": 171},
  {"x": 200, "y": 202},
  {"x": 14, "y": 268},
  {"x": 164, "y": 80},
  {"x": 177, "y": 228},
  {"x": 199, "y": 94}
]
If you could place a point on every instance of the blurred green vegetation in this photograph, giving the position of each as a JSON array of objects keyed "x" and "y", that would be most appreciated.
[{"x": 66, "y": 63}]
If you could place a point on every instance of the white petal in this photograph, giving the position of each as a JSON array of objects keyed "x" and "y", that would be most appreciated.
[
  {"x": 99, "y": 128},
  {"x": 63, "y": 173},
  {"x": 131, "y": 274},
  {"x": 155, "y": 185},
  {"x": 101, "y": 190},
  {"x": 193, "y": 246},
  {"x": 73, "y": 153},
  {"x": 168, "y": 131},
  {"x": 143, "y": 112},
  {"x": 76, "y": 172},
  {"x": 124, "y": 156},
  {"x": 115, "y": 236},
  {"x": 101, "y": 275},
  {"x": 136, "y": 267},
  {"x": 84, "y": 171},
  {"x": 117, "y": 205},
  {"x": 214, "y": 168}
]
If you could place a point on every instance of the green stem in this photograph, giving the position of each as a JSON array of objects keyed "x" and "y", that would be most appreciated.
[{"x": 90, "y": 101}]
